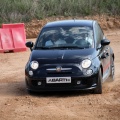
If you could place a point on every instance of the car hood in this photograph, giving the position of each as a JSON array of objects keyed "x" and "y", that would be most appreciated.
[{"x": 62, "y": 56}]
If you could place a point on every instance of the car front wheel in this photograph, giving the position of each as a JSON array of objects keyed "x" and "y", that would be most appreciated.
[{"x": 98, "y": 90}]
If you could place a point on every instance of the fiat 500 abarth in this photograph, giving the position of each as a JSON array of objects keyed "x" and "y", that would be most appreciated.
[{"x": 69, "y": 55}]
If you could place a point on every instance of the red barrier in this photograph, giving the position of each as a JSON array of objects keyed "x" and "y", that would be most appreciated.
[
  {"x": 6, "y": 40},
  {"x": 16, "y": 25},
  {"x": 13, "y": 37},
  {"x": 19, "y": 39}
]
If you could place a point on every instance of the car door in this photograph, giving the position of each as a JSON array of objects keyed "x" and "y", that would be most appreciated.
[
  {"x": 104, "y": 51},
  {"x": 106, "y": 61}
]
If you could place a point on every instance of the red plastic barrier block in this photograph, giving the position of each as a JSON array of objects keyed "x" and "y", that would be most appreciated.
[
  {"x": 16, "y": 25},
  {"x": 6, "y": 40},
  {"x": 19, "y": 39},
  {"x": 18, "y": 36}
]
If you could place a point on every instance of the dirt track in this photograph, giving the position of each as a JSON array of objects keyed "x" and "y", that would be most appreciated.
[{"x": 16, "y": 104}]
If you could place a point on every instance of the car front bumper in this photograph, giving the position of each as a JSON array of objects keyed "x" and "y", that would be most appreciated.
[{"x": 86, "y": 83}]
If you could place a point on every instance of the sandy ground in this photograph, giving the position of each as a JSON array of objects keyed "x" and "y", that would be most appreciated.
[{"x": 17, "y": 104}]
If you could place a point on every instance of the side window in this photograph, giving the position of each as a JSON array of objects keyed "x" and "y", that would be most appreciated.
[{"x": 99, "y": 34}]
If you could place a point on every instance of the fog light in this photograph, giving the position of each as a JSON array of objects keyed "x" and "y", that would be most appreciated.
[
  {"x": 31, "y": 73},
  {"x": 39, "y": 83},
  {"x": 78, "y": 82},
  {"x": 89, "y": 72}
]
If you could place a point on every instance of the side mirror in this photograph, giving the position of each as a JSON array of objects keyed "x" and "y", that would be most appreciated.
[
  {"x": 105, "y": 42},
  {"x": 99, "y": 47},
  {"x": 29, "y": 45}
]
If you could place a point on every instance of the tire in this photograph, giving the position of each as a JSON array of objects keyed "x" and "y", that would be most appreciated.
[
  {"x": 98, "y": 90},
  {"x": 112, "y": 71},
  {"x": 30, "y": 92}
]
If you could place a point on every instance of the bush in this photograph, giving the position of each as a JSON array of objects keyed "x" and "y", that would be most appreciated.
[{"x": 25, "y": 10}]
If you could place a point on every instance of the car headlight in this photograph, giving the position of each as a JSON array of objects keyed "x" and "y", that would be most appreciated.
[
  {"x": 34, "y": 65},
  {"x": 86, "y": 63}
]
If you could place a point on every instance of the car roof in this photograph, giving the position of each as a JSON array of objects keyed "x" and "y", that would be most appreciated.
[{"x": 73, "y": 22}]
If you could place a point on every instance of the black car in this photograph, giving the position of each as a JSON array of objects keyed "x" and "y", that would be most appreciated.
[{"x": 69, "y": 55}]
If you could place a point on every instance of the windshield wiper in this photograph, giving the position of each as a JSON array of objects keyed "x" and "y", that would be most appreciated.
[
  {"x": 66, "y": 47},
  {"x": 60, "y": 47},
  {"x": 42, "y": 47}
]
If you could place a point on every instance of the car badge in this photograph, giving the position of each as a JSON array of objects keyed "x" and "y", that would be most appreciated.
[{"x": 58, "y": 69}]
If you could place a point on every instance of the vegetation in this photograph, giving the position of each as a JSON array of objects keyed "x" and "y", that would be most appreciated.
[{"x": 25, "y": 10}]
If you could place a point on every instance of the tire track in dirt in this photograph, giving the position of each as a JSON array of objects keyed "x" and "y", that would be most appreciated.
[{"x": 17, "y": 104}]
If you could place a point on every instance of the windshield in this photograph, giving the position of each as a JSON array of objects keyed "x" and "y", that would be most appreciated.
[{"x": 66, "y": 37}]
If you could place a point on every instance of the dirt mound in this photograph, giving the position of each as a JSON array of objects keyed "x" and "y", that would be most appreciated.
[{"x": 106, "y": 22}]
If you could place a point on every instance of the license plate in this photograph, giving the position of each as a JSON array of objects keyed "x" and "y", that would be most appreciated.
[{"x": 58, "y": 80}]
